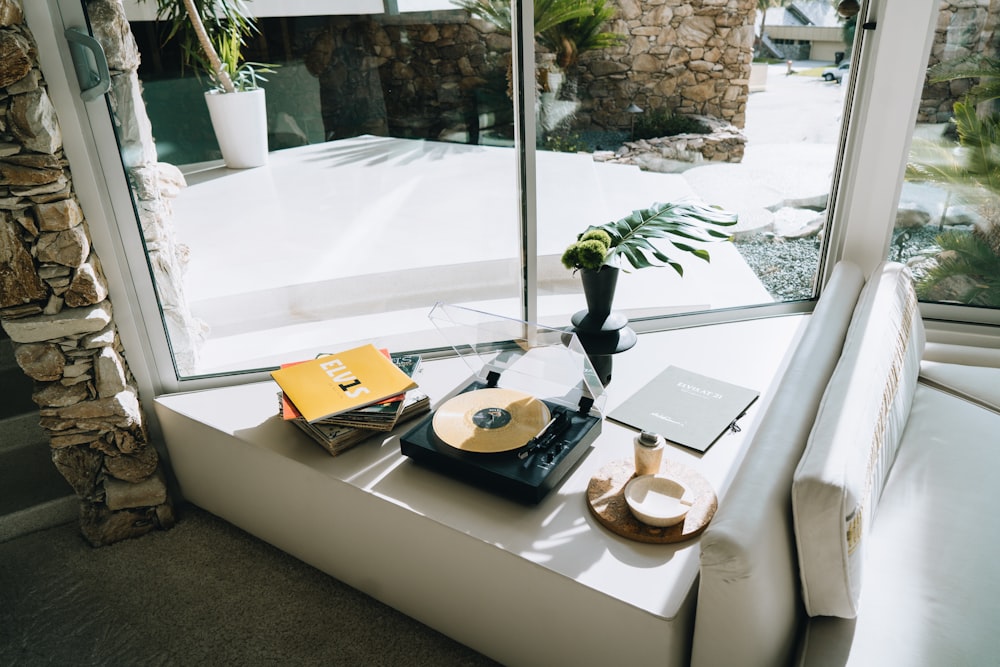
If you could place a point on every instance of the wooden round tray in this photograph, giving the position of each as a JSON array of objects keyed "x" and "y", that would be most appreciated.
[{"x": 606, "y": 500}]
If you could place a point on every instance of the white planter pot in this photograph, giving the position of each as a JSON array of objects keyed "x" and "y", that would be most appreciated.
[
  {"x": 240, "y": 124},
  {"x": 758, "y": 77}
]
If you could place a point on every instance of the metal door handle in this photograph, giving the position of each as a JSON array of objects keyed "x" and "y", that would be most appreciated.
[{"x": 90, "y": 64}]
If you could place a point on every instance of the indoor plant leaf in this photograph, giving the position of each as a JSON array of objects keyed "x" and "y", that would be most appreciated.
[{"x": 686, "y": 220}]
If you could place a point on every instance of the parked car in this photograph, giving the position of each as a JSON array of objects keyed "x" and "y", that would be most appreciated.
[{"x": 837, "y": 73}]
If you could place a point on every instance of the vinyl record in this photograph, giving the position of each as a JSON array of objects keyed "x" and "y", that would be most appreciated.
[{"x": 492, "y": 420}]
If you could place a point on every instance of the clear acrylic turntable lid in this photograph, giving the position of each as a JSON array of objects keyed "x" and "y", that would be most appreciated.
[{"x": 542, "y": 361}]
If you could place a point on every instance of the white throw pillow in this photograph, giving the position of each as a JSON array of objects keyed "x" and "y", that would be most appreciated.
[{"x": 853, "y": 443}]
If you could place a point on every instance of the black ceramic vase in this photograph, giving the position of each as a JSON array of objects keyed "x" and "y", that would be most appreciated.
[
  {"x": 599, "y": 290},
  {"x": 601, "y": 331}
]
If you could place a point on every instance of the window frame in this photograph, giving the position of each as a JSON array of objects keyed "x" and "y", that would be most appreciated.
[{"x": 868, "y": 176}]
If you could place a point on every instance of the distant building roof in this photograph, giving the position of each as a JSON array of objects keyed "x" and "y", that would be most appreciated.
[{"x": 805, "y": 12}]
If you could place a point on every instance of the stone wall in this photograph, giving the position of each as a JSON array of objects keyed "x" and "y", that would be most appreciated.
[
  {"x": 963, "y": 27},
  {"x": 432, "y": 73},
  {"x": 54, "y": 305},
  {"x": 688, "y": 56}
]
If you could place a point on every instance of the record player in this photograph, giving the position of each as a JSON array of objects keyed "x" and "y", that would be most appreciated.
[{"x": 530, "y": 411}]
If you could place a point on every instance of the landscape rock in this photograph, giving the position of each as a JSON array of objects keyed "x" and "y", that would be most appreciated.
[{"x": 910, "y": 215}]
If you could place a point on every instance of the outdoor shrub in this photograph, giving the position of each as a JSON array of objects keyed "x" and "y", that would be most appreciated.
[
  {"x": 564, "y": 142},
  {"x": 655, "y": 123}
]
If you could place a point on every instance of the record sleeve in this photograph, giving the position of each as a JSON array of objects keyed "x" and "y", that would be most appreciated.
[
  {"x": 336, "y": 383},
  {"x": 686, "y": 408}
]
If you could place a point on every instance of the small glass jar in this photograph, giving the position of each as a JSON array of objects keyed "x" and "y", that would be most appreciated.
[{"x": 648, "y": 453}]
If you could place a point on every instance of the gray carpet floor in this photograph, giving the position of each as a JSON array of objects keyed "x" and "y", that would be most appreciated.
[{"x": 202, "y": 593}]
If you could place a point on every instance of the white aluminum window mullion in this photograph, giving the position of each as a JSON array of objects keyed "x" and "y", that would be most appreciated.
[{"x": 523, "y": 53}]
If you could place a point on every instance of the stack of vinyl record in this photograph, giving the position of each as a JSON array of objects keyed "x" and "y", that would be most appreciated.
[{"x": 341, "y": 432}]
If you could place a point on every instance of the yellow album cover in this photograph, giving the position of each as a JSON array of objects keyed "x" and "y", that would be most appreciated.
[{"x": 335, "y": 383}]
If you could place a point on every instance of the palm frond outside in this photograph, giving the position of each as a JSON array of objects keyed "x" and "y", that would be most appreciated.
[
  {"x": 969, "y": 169},
  {"x": 548, "y": 13},
  {"x": 979, "y": 137},
  {"x": 570, "y": 38},
  {"x": 967, "y": 260},
  {"x": 565, "y": 27},
  {"x": 974, "y": 66},
  {"x": 967, "y": 270},
  {"x": 212, "y": 34}
]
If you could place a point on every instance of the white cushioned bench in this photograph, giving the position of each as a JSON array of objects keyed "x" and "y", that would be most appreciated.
[{"x": 861, "y": 527}]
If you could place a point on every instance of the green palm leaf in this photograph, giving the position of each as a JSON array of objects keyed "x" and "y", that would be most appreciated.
[
  {"x": 969, "y": 256},
  {"x": 631, "y": 236},
  {"x": 973, "y": 66},
  {"x": 570, "y": 38},
  {"x": 548, "y": 13}
]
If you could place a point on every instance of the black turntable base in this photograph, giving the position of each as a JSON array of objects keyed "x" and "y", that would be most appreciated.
[{"x": 508, "y": 443}]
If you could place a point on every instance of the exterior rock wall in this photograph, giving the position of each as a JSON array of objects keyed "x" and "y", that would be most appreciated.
[
  {"x": 54, "y": 306},
  {"x": 963, "y": 27},
  {"x": 436, "y": 71},
  {"x": 688, "y": 56}
]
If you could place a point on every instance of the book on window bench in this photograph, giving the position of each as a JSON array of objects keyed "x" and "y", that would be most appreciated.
[
  {"x": 686, "y": 408},
  {"x": 336, "y": 383}
]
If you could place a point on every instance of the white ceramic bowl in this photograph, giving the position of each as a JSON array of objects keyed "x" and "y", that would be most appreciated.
[{"x": 656, "y": 500}]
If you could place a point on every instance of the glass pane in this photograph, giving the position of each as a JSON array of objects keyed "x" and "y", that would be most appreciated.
[
  {"x": 390, "y": 180},
  {"x": 390, "y": 183},
  {"x": 691, "y": 104},
  {"x": 948, "y": 223}
]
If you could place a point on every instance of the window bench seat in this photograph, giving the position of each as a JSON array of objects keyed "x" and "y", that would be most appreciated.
[{"x": 540, "y": 585}]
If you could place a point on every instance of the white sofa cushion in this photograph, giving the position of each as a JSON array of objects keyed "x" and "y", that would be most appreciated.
[
  {"x": 837, "y": 483},
  {"x": 977, "y": 384},
  {"x": 748, "y": 610},
  {"x": 932, "y": 582}
]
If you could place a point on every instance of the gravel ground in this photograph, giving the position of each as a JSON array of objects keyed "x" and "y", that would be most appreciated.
[{"x": 787, "y": 266}]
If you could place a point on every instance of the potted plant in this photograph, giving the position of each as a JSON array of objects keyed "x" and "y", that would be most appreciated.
[
  {"x": 565, "y": 28},
  {"x": 212, "y": 34},
  {"x": 599, "y": 252}
]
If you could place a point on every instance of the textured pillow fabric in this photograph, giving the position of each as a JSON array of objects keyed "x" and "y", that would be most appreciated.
[{"x": 853, "y": 443}]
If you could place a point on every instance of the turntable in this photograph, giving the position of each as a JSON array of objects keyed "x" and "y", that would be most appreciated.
[{"x": 528, "y": 414}]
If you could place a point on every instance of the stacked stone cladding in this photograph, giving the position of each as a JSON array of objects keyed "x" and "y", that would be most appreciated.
[
  {"x": 54, "y": 305},
  {"x": 690, "y": 57},
  {"x": 964, "y": 27}
]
